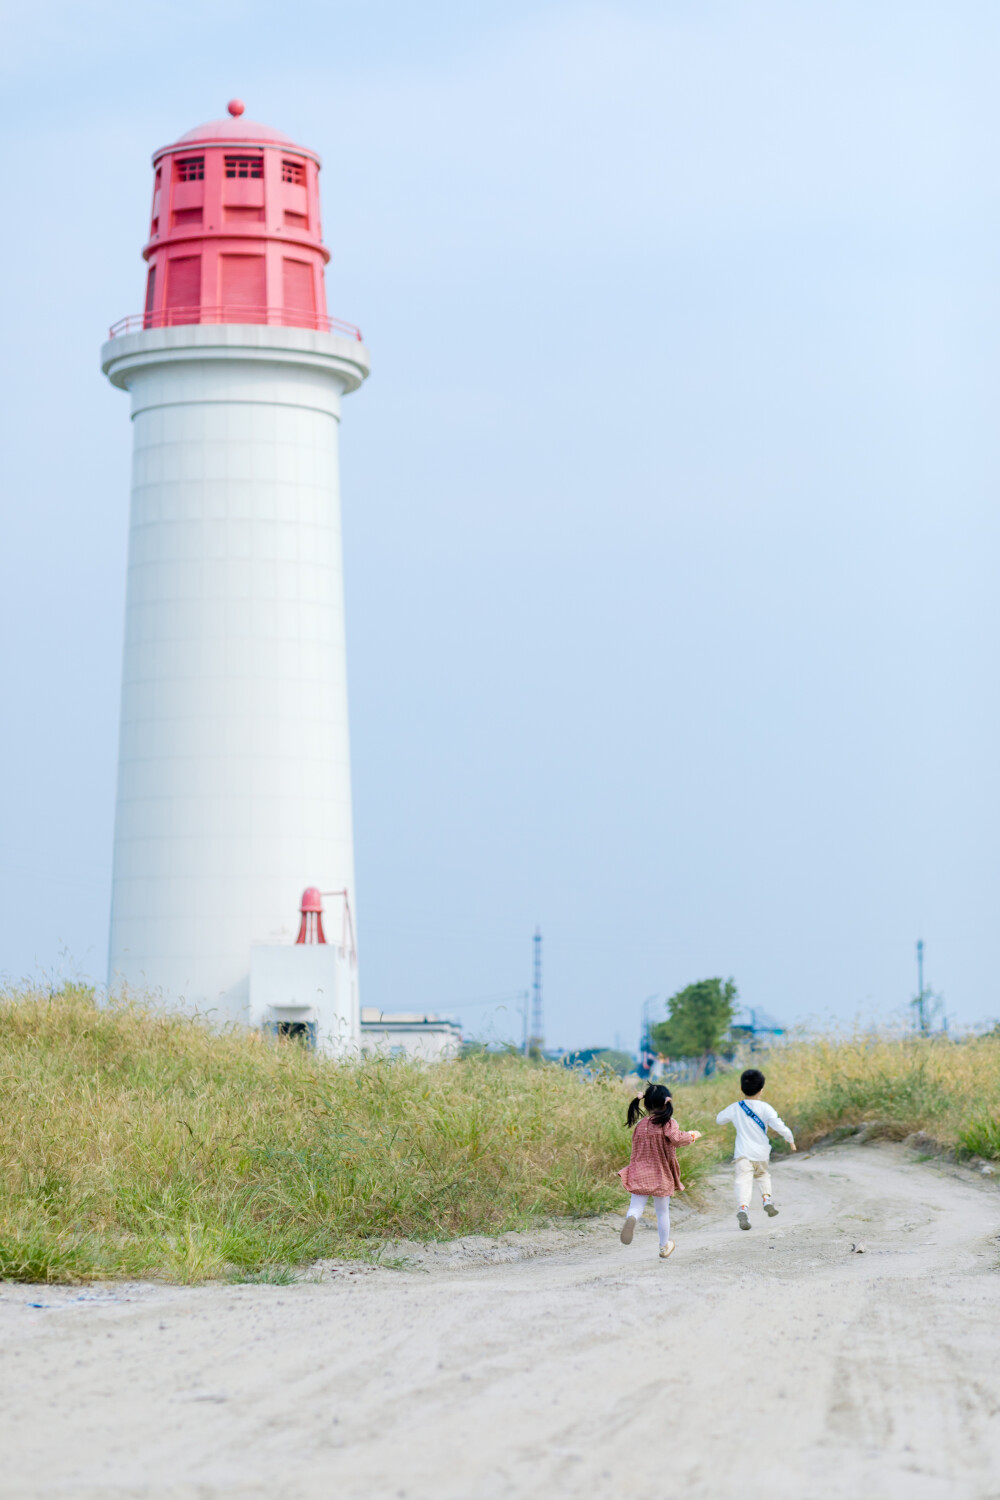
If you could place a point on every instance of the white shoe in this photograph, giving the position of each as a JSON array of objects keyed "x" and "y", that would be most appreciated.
[
  {"x": 743, "y": 1219},
  {"x": 667, "y": 1249},
  {"x": 628, "y": 1230},
  {"x": 770, "y": 1209}
]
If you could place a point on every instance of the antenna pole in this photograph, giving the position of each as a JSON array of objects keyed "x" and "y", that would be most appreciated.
[
  {"x": 537, "y": 1039},
  {"x": 921, "y": 993}
]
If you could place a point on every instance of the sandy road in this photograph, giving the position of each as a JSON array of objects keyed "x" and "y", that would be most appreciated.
[{"x": 772, "y": 1364}]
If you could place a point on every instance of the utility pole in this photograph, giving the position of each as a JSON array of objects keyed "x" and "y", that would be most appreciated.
[
  {"x": 920, "y": 1003},
  {"x": 537, "y": 1039}
]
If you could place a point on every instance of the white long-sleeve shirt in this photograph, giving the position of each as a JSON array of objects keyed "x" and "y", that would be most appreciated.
[{"x": 751, "y": 1141}]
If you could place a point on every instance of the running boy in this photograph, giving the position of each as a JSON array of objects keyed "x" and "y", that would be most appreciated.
[{"x": 753, "y": 1119}]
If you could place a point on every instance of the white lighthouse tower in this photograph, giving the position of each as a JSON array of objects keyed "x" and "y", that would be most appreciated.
[{"x": 234, "y": 789}]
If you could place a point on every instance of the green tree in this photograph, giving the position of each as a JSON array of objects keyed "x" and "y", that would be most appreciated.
[{"x": 698, "y": 1018}]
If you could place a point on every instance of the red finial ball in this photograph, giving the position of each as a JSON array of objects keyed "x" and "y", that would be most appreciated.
[{"x": 236, "y": 107}]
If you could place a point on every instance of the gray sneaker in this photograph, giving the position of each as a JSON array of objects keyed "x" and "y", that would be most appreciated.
[
  {"x": 628, "y": 1230},
  {"x": 770, "y": 1209},
  {"x": 742, "y": 1219}
]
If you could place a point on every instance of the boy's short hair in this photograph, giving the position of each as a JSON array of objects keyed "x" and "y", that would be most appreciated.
[{"x": 752, "y": 1081}]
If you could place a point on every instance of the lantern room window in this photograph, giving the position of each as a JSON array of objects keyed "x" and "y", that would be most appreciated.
[
  {"x": 190, "y": 169},
  {"x": 294, "y": 171},
  {"x": 244, "y": 166}
]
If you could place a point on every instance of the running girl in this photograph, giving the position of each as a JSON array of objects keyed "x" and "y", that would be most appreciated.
[{"x": 653, "y": 1165}]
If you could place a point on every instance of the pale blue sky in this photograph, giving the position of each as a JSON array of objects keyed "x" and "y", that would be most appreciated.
[{"x": 670, "y": 506}]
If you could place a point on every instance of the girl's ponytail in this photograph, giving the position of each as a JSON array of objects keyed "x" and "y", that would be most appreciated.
[{"x": 655, "y": 1102}]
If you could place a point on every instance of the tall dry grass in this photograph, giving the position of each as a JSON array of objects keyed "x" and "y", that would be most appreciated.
[
  {"x": 949, "y": 1089},
  {"x": 137, "y": 1144}
]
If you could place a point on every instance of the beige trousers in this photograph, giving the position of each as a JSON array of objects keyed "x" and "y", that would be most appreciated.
[{"x": 743, "y": 1179}]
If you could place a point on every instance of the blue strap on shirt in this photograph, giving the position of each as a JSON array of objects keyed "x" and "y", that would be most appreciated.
[{"x": 756, "y": 1118}]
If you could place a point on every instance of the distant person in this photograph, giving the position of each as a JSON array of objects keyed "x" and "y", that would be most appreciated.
[
  {"x": 652, "y": 1169},
  {"x": 753, "y": 1119}
]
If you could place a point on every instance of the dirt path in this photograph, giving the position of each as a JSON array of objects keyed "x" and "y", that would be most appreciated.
[{"x": 774, "y": 1365}]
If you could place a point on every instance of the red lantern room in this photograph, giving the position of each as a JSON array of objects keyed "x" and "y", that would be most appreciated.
[{"x": 235, "y": 233}]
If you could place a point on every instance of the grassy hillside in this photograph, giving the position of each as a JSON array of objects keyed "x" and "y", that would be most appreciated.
[
  {"x": 133, "y": 1144},
  {"x": 950, "y": 1090}
]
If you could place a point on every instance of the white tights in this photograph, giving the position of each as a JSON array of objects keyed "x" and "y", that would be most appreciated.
[{"x": 662, "y": 1206}]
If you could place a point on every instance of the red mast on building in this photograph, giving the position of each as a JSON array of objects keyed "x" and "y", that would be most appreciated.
[{"x": 311, "y": 926}]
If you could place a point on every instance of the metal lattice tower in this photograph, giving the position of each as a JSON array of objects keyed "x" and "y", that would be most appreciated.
[
  {"x": 919, "y": 1003},
  {"x": 537, "y": 1039}
]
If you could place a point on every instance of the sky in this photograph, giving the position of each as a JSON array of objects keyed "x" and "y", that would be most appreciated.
[{"x": 670, "y": 505}]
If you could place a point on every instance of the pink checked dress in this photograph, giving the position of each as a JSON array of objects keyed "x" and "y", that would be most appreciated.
[{"x": 653, "y": 1167}]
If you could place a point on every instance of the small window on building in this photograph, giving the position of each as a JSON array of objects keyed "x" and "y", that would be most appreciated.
[
  {"x": 190, "y": 169},
  {"x": 294, "y": 171},
  {"x": 244, "y": 166},
  {"x": 303, "y": 1032}
]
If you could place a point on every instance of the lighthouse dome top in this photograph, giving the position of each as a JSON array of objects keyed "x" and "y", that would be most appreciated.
[{"x": 234, "y": 130}]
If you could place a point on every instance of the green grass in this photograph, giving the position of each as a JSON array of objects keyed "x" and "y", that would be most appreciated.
[
  {"x": 948, "y": 1089},
  {"x": 136, "y": 1144}
]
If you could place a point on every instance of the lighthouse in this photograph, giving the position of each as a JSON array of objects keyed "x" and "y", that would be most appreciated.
[{"x": 234, "y": 786}]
